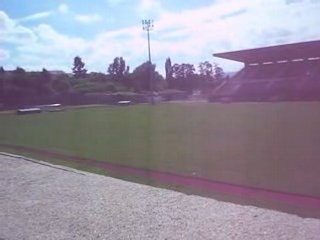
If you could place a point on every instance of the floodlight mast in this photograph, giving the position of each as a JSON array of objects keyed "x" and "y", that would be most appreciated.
[{"x": 147, "y": 25}]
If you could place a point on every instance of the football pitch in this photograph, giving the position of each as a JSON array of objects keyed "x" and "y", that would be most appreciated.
[{"x": 272, "y": 146}]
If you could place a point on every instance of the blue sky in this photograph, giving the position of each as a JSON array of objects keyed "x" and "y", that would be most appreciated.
[{"x": 50, "y": 33}]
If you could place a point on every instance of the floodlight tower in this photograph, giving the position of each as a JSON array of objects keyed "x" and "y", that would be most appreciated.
[{"x": 147, "y": 25}]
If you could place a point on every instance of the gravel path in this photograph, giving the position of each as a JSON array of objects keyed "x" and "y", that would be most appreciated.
[{"x": 42, "y": 201}]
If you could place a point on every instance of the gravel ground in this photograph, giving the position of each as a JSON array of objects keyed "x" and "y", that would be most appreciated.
[{"x": 43, "y": 201}]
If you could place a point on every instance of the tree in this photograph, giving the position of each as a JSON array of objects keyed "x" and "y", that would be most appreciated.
[
  {"x": 183, "y": 70},
  {"x": 206, "y": 69},
  {"x": 20, "y": 70},
  {"x": 125, "y": 79},
  {"x": 218, "y": 72},
  {"x": 43, "y": 85},
  {"x": 141, "y": 76},
  {"x": 117, "y": 68},
  {"x": 122, "y": 67},
  {"x": 206, "y": 75},
  {"x": 168, "y": 68},
  {"x": 2, "y": 72},
  {"x": 183, "y": 76},
  {"x": 45, "y": 75},
  {"x": 20, "y": 78},
  {"x": 60, "y": 85},
  {"x": 211, "y": 75},
  {"x": 22, "y": 86},
  {"x": 78, "y": 67},
  {"x": 112, "y": 69},
  {"x": 127, "y": 71}
]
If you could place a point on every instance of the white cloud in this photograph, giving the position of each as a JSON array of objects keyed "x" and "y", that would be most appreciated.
[
  {"x": 36, "y": 16},
  {"x": 12, "y": 32},
  {"x": 88, "y": 18},
  {"x": 128, "y": 42},
  {"x": 40, "y": 46},
  {"x": 147, "y": 5},
  {"x": 83, "y": 18},
  {"x": 193, "y": 35},
  {"x": 188, "y": 36},
  {"x": 116, "y": 2},
  {"x": 4, "y": 55},
  {"x": 149, "y": 8},
  {"x": 52, "y": 44},
  {"x": 63, "y": 8}
]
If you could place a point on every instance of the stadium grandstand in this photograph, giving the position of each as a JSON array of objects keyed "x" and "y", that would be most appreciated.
[{"x": 288, "y": 72}]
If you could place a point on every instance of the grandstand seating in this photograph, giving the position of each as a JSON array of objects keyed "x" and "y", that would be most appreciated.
[{"x": 292, "y": 79}]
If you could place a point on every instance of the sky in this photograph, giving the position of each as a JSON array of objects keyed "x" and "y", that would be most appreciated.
[{"x": 38, "y": 34}]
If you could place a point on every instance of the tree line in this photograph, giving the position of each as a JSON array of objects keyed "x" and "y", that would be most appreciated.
[
  {"x": 177, "y": 76},
  {"x": 19, "y": 86},
  {"x": 184, "y": 77}
]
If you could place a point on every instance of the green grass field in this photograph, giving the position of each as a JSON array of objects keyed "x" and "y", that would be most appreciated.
[{"x": 268, "y": 145}]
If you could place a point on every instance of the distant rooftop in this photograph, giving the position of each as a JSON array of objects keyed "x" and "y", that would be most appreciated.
[{"x": 294, "y": 51}]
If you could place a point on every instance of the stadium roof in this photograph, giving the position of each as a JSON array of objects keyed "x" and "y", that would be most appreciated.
[{"x": 293, "y": 51}]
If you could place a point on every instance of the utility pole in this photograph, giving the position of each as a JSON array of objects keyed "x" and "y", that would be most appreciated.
[{"x": 147, "y": 25}]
